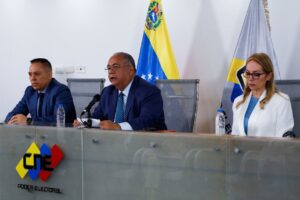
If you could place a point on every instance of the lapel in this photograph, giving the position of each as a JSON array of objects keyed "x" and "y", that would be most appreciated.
[
  {"x": 242, "y": 114},
  {"x": 130, "y": 98},
  {"x": 47, "y": 100},
  {"x": 113, "y": 105},
  {"x": 35, "y": 101}
]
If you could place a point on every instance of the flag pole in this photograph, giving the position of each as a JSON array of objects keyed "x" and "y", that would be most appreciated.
[{"x": 267, "y": 13}]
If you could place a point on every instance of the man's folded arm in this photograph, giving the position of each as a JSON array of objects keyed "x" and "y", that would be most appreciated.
[{"x": 20, "y": 108}]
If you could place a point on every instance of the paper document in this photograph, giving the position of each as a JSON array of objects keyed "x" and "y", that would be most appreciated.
[{"x": 95, "y": 122}]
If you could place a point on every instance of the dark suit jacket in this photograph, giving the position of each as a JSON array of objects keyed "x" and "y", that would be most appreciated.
[
  {"x": 144, "y": 107},
  {"x": 55, "y": 94}
]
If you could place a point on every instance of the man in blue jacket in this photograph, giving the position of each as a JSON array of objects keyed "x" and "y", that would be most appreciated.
[
  {"x": 130, "y": 102},
  {"x": 42, "y": 98}
]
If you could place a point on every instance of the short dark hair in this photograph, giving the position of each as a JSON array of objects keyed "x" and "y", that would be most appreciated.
[
  {"x": 128, "y": 58},
  {"x": 44, "y": 61}
]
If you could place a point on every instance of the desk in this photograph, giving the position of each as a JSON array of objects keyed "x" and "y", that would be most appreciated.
[{"x": 141, "y": 165}]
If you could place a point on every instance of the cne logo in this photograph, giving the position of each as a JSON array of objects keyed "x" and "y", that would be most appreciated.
[
  {"x": 154, "y": 16},
  {"x": 39, "y": 162}
]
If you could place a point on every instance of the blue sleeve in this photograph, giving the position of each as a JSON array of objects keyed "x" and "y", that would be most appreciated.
[
  {"x": 99, "y": 112},
  {"x": 20, "y": 108}
]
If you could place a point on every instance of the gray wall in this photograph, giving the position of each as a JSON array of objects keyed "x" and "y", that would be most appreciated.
[{"x": 72, "y": 33}]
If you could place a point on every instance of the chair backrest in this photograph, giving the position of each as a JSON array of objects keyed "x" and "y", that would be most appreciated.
[
  {"x": 292, "y": 88},
  {"x": 83, "y": 91},
  {"x": 180, "y": 98}
]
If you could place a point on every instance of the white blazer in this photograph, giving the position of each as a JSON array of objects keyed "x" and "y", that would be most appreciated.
[{"x": 273, "y": 121}]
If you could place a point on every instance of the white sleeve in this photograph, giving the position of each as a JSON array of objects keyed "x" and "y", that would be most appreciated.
[{"x": 285, "y": 119}]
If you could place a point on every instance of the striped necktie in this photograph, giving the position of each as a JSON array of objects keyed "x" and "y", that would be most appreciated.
[{"x": 119, "y": 116}]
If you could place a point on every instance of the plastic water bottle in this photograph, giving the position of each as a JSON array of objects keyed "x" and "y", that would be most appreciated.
[
  {"x": 60, "y": 116},
  {"x": 220, "y": 122}
]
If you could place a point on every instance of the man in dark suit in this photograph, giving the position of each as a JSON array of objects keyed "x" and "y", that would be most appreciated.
[
  {"x": 42, "y": 98},
  {"x": 142, "y": 104}
]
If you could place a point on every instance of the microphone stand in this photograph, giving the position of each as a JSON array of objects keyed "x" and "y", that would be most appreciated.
[{"x": 88, "y": 123}]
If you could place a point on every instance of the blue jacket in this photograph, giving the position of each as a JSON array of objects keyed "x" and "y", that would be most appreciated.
[
  {"x": 144, "y": 107},
  {"x": 55, "y": 94}
]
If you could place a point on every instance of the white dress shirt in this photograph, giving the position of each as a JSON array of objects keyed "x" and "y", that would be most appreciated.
[{"x": 125, "y": 125}]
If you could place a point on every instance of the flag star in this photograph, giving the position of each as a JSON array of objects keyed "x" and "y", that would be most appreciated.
[
  {"x": 144, "y": 76},
  {"x": 156, "y": 78},
  {"x": 150, "y": 76}
]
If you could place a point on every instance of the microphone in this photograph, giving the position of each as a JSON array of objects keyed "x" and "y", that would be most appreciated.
[
  {"x": 289, "y": 134},
  {"x": 95, "y": 99}
]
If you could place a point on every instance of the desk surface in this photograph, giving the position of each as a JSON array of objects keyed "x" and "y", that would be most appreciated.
[{"x": 111, "y": 165}]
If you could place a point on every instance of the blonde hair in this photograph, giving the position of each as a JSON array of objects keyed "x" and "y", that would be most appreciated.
[{"x": 265, "y": 62}]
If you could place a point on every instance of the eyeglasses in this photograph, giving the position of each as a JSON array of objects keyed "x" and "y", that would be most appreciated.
[
  {"x": 254, "y": 75},
  {"x": 114, "y": 67}
]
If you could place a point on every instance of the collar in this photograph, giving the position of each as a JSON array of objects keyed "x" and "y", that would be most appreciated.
[
  {"x": 45, "y": 89},
  {"x": 127, "y": 89},
  {"x": 42, "y": 91},
  {"x": 262, "y": 96}
]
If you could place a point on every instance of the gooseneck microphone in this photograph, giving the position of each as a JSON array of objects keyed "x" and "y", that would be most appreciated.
[{"x": 95, "y": 99}]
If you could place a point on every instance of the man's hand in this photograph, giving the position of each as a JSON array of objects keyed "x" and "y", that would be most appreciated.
[
  {"x": 76, "y": 123},
  {"x": 18, "y": 119},
  {"x": 109, "y": 125}
]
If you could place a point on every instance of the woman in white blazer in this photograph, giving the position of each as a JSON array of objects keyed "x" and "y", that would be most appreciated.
[{"x": 262, "y": 110}]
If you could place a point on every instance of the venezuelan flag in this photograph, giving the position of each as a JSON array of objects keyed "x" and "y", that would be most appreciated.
[{"x": 156, "y": 59}]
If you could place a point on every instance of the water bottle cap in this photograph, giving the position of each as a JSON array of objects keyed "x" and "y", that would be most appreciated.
[
  {"x": 60, "y": 107},
  {"x": 220, "y": 110}
]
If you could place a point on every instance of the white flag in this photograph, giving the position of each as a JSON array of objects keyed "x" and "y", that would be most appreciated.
[{"x": 254, "y": 38}]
